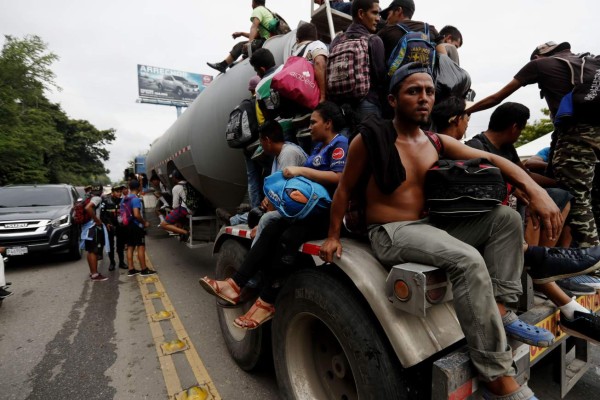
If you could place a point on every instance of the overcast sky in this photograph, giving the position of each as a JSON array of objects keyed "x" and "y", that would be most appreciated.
[{"x": 100, "y": 44}]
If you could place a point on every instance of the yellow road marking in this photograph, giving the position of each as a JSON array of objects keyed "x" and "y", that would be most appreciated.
[{"x": 172, "y": 380}]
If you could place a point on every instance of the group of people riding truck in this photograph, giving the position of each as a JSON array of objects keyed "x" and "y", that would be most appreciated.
[{"x": 359, "y": 150}]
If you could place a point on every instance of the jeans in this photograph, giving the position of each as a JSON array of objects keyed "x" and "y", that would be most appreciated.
[
  {"x": 479, "y": 280},
  {"x": 365, "y": 107},
  {"x": 254, "y": 174}
]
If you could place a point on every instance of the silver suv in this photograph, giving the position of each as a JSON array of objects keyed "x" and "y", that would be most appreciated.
[
  {"x": 38, "y": 218},
  {"x": 178, "y": 85}
]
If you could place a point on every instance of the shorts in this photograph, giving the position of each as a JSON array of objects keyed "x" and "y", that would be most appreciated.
[
  {"x": 96, "y": 243},
  {"x": 176, "y": 215},
  {"x": 136, "y": 236}
]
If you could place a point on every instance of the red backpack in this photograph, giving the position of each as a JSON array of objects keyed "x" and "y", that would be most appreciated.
[
  {"x": 80, "y": 215},
  {"x": 348, "y": 76}
]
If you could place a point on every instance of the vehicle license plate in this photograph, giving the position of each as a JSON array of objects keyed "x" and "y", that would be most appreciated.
[{"x": 16, "y": 251}]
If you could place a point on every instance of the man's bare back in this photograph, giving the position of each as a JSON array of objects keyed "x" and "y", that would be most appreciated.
[{"x": 407, "y": 202}]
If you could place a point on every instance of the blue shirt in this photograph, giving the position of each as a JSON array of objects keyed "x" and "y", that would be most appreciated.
[
  {"x": 544, "y": 153},
  {"x": 331, "y": 157}
]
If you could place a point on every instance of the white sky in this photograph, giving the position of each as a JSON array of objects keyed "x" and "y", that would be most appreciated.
[{"x": 100, "y": 44}]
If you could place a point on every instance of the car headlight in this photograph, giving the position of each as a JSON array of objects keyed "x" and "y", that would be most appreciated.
[{"x": 61, "y": 221}]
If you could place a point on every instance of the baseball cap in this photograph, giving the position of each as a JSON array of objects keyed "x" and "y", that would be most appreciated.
[
  {"x": 549, "y": 47},
  {"x": 407, "y": 70},
  {"x": 253, "y": 82},
  {"x": 405, "y": 4},
  {"x": 96, "y": 188}
]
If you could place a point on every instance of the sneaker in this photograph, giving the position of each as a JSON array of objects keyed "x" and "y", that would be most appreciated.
[
  {"x": 523, "y": 332},
  {"x": 220, "y": 66},
  {"x": 257, "y": 153},
  {"x": 587, "y": 280},
  {"x": 147, "y": 271},
  {"x": 243, "y": 208},
  {"x": 132, "y": 272},
  {"x": 303, "y": 133},
  {"x": 558, "y": 263},
  {"x": 4, "y": 293},
  {"x": 583, "y": 325},
  {"x": 570, "y": 285},
  {"x": 223, "y": 216},
  {"x": 98, "y": 278},
  {"x": 185, "y": 237},
  {"x": 122, "y": 265},
  {"x": 112, "y": 266}
]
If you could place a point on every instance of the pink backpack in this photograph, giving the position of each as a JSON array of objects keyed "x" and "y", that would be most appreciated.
[
  {"x": 348, "y": 69},
  {"x": 296, "y": 81}
]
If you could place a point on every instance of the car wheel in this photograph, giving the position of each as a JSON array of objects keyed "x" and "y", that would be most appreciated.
[
  {"x": 249, "y": 349},
  {"x": 327, "y": 345},
  {"x": 160, "y": 87},
  {"x": 179, "y": 92}
]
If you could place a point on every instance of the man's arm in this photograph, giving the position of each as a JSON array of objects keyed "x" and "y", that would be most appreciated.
[
  {"x": 320, "y": 75},
  {"x": 356, "y": 162},
  {"x": 254, "y": 29},
  {"x": 496, "y": 98},
  {"x": 138, "y": 215},
  {"x": 541, "y": 205}
]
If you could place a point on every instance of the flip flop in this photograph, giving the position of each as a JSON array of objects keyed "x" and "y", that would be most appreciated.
[
  {"x": 212, "y": 287},
  {"x": 248, "y": 323}
]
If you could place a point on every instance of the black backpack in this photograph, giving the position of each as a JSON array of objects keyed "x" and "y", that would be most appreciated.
[
  {"x": 585, "y": 78},
  {"x": 242, "y": 128},
  {"x": 462, "y": 188}
]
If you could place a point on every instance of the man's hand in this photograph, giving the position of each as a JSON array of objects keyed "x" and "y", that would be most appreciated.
[
  {"x": 253, "y": 232},
  {"x": 544, "y": 211},
  {"x": 236, "y": 35},
  {"x": 330, "y": 247},
  {"x": 290, "y": 172}
]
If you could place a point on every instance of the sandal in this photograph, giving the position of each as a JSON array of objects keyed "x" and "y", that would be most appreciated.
[
  {"x": 247, "y": 322},
  {"x": 526, "y": 333},
  {"x": 212, "y": 287}
]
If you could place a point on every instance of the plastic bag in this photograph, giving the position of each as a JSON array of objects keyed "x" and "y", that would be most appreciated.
[{"x": 451, "y": 80}]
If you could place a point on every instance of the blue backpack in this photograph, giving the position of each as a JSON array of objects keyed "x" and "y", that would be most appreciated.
[
  {"x": 296, "y": 198},
  {"x": 412, "y": 47}
]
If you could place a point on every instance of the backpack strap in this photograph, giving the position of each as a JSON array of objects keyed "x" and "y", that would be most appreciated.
[
  {"x": 404, "y": 28},
  {"x": 435, "y": 140},
  {"x": 571, "y": 68}
]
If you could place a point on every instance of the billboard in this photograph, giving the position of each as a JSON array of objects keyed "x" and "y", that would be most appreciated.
[{"x": 170, "y": 84}]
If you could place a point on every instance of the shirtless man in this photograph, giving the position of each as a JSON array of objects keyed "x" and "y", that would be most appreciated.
[{"x": 398, "y": 231}]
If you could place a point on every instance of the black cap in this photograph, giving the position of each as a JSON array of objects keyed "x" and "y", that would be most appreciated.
[{"x": 405, "y": 4}]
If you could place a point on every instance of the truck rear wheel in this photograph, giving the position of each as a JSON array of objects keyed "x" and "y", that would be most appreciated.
[
  {"x": 249, "y": 349},
  {"x": 326, "y": 345}
]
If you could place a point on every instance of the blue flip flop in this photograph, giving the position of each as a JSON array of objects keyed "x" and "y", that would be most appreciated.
[{"x": 523, "y": 332}]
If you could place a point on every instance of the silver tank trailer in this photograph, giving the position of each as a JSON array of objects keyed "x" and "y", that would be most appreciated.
[{"x": 196, "y": 144}]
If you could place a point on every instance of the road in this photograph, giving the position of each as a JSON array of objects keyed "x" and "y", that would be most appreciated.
[{"x": 65, "y": 337}]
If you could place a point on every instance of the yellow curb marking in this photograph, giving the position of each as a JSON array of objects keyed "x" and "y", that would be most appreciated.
[{"x": 172, "y": 381}]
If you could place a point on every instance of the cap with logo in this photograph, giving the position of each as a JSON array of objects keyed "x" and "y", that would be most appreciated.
[{"x": 549, "y": 48}]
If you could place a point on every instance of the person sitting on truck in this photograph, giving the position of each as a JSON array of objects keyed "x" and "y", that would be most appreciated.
[
  {"x": 398, "y": 154},
  {"x": 177, "y": 217},
  {"x": 338, "y": 5},
  {"x": 449, "y": 117},
  {"x": 310, "y": 47},
  {"x": 261, "y": 19},
  {"x": 449, "y": 41},
  {"x": 324, "y": 165},
  {"x": 505, "y": 126}
]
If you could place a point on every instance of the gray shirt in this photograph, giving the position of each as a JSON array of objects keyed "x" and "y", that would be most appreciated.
[{"x": 291, "y": 155}]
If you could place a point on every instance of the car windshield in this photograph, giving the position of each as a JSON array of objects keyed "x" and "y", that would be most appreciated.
[
  {"x": 34, "y": 196},
  {"x": 181, "y": 79}
]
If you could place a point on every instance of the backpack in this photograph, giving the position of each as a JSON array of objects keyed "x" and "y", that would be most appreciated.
[
  {"x": 583, "y": 102},
  {"x": 125, "y": 211},
  {"x": 296, "y": 81},
  {"x": 412, "y": 47},
  {"x": 80, "y": 216},
  {"x": 462, "y": 188},
  {"x": 278, "y": 25},
  {"x": 242, "y": 127},
  {"x": 297, "y": 197},
  {"x": 348, "y": 76}
]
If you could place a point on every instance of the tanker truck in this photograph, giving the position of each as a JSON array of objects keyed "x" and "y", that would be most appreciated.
[{"x": 351, "y": 329}]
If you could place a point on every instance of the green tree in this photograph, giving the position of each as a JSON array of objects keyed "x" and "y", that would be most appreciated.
[
  {"x": 38, "y": 142},
  {"x": 536, "y": 130}
]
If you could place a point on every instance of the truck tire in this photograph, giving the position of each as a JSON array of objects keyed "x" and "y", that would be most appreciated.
[
  {"x": 326, "y": 344},
  {"x": 160, "y": 87},
  {"x": 178, "y": 92},
  {"x": 249, "y": 349}
]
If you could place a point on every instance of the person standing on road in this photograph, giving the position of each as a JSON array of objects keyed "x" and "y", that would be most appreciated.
[
  {"x": 93, "y": 235},
  {"x": 136, "y": 230},
  {"x": 108, "y": 214}
]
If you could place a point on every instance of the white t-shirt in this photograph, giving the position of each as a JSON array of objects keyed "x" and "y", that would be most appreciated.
[
  {"x": 313, "y": 49},
  {"x": 179, "y": 196},
  {"x": 96, "y": 200}
]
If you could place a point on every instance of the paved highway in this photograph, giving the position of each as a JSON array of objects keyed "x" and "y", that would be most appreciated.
[{"x": 65, "y": 337}]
